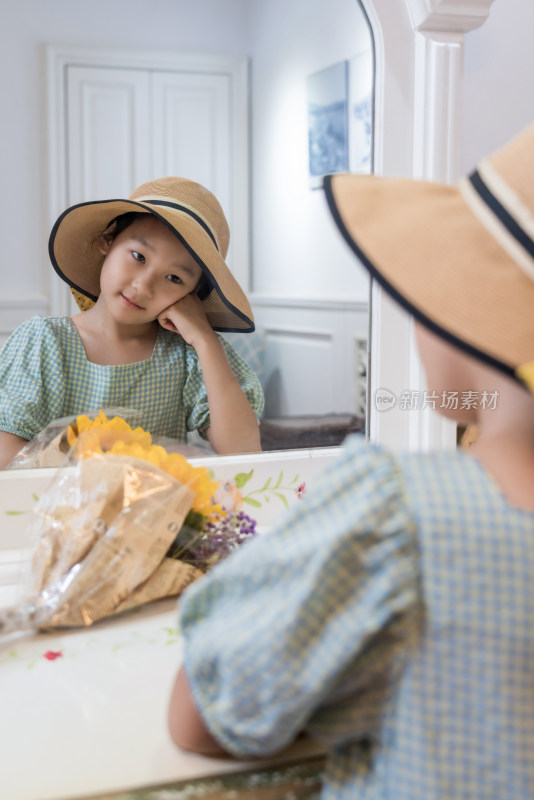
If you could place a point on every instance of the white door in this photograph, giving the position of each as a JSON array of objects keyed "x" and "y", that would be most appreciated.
[
  {"x": 191, "y": 133},
  {"x": 191, "y": 129},
  {"x": 109, "y": 150}
]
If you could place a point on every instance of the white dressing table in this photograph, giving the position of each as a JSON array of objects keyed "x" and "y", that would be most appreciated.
[{"x": 84, "y": 711}]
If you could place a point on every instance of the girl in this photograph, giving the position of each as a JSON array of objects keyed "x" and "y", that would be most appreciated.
[
  {"x": 391, "y": 612},
  {"x": 150, "y": 273}
]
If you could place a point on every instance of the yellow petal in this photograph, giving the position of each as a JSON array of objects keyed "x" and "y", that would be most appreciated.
[
  {"x": 115, "y": 435},
  {"x": 526, "y": 374}
]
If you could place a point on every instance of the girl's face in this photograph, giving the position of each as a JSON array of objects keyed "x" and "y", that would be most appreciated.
[{"x": 146, "y": 269}]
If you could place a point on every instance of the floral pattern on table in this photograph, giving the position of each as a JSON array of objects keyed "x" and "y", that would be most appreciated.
[
  {"x": 34, "y": 652},
  {"x": 231, "y": 493}
]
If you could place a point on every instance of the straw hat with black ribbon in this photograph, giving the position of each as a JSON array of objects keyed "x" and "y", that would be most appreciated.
[
  {"x": 459, "y": 258},
  {"x": 189, "y": 210}
]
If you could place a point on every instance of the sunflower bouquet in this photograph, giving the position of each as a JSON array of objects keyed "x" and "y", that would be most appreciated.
[{"x": 123, "y": 522}]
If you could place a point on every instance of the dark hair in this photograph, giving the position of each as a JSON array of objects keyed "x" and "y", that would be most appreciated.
[
  {"x": 120, "y": 223},
  {"x": 123, "y": 221}
]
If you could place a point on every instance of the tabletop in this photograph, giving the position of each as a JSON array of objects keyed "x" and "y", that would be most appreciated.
[{"x": 84, "y": 711}]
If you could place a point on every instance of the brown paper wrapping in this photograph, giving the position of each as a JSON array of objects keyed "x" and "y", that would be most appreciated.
[
  {"x": 107, "y": 528},
  {"x": 169, "y": 580},
  {"x": 69, "y": 529},
  {"x": 54, "y": 453}
]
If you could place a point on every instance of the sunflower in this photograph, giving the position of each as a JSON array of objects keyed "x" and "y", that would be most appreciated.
[{"x": 101, "y": 435}]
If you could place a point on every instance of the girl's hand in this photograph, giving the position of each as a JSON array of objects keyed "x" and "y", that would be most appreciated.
[
  {"x": 187, "y": 318},
  {"x": 10, "y": 444},
  {"x": 233, "y": 426}
]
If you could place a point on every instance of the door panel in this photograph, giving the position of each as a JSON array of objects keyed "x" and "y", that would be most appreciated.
[{"x": 108, "y": 132}]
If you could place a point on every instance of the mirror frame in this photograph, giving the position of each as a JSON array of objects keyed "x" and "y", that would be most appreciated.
[{"x": 418, "y": 104}]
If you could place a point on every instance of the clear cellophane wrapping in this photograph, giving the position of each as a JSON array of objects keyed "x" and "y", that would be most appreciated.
[{"x": 101, "y": 532}]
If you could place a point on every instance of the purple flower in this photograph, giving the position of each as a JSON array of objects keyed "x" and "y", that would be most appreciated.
[{"x": 214, "y": 540}]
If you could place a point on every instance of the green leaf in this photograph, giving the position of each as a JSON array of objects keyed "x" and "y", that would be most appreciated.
[
  {"x": 279, "y": 481},
  {"x": 14, "y": 513},
  {"x": 243, "y": 478},
  {"x": 35, "y": 496},
  {"x": 283, "y": 498},
  {"x": 263, "y": 488},
  {"x": 295, "y": 479},
  {"x": 252, "y": 502}
]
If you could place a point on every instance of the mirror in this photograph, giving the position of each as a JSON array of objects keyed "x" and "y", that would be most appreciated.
[{"x": 309, "y": 297}]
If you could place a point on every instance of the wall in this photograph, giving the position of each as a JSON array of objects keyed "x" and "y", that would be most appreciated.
[
  {"x": 292, "y": 235},
  {"x": 498, "y": 79}
]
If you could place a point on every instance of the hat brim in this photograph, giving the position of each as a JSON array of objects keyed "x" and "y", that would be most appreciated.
[
  {"x": 75, "y": 256},
  {"x": 428, "y": 250}
]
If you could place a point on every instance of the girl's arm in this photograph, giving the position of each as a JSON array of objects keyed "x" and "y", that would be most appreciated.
[
  {"x": 186, "y": 726},
  {"x": 10, "y": 444},
  {"x": 233, "y": 424}
]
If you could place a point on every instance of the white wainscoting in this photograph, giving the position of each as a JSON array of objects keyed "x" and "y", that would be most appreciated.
[
  {"x": 315, "y": 360},
  {"x": 15, "y": 310}
]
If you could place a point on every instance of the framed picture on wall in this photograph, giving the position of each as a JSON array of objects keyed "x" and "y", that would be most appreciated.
[{"x": 328, "y": 135}]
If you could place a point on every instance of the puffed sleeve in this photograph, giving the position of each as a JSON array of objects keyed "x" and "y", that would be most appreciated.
[
  {"x": 31, "y": 385},
  {"x": 306, "y": 627},
  {"x": 195, "y": 397}
]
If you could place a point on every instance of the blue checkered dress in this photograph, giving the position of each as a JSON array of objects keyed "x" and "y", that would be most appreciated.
[
  {"x": 391, "y": 614},
  {"x": 45, "y": 375}
]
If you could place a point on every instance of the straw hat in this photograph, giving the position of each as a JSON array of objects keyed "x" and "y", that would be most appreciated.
[
  {"x": 459, "y": 258},
  {"x": 189, "y": 210}
]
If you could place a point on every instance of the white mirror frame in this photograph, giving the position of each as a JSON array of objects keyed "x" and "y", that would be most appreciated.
[{"x": 419, "y": 48}]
